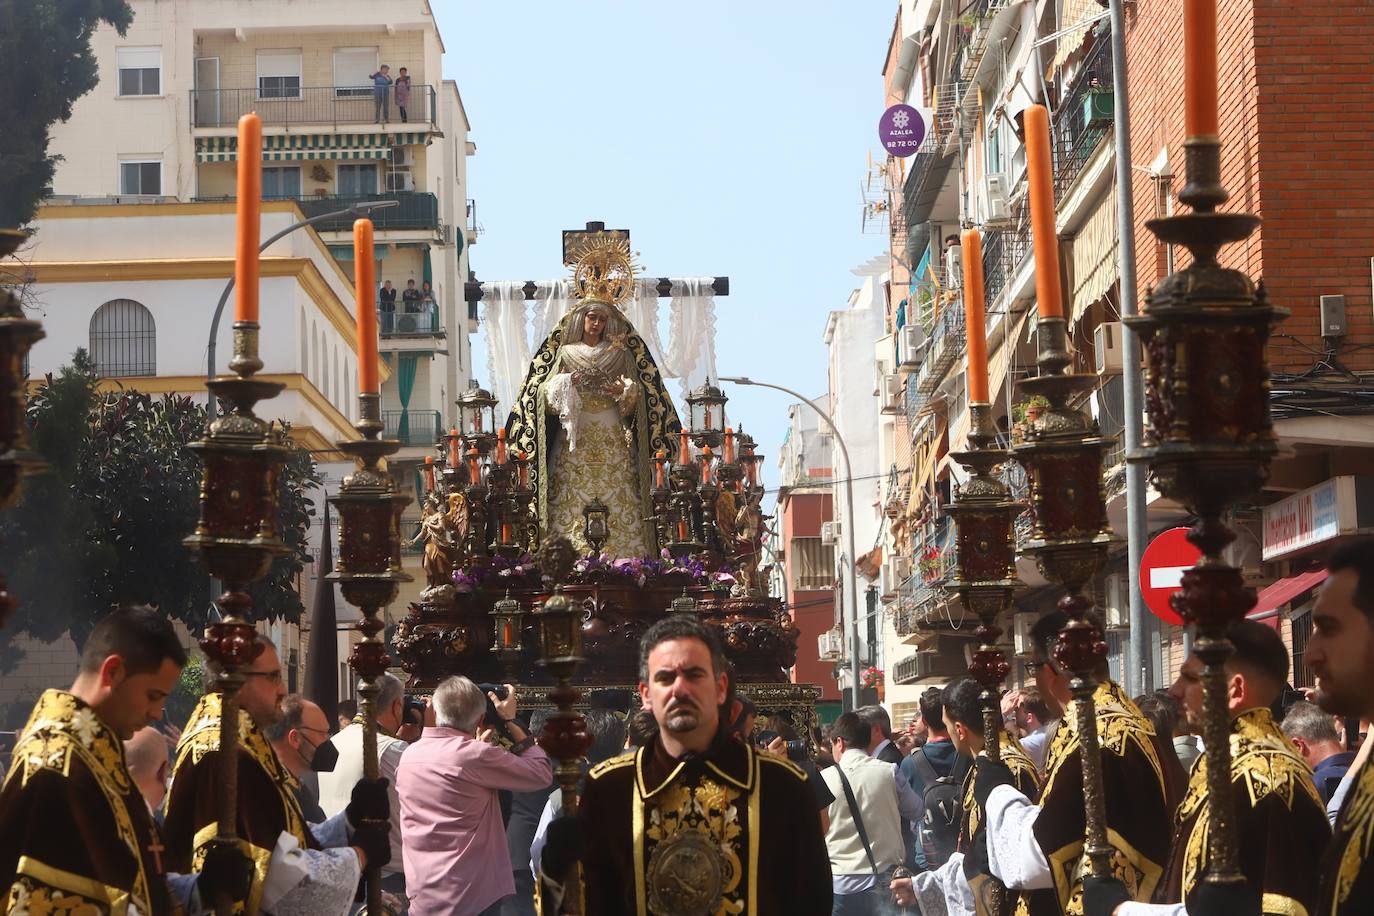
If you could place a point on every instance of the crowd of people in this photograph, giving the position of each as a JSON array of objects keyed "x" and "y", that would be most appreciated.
[{"x": 690, "y": 800}]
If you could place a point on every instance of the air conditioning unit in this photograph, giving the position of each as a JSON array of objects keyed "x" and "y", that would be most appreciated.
[
  {"x": 912, "y": 341},
  {"x": 892, "y": 394},
  {"x": 399, "y": 156},
  {"x": 1107, "y": 347},
  {"x": 940, "y": 664},
  {"x": 954, "y": 267},
  {"x": 445, "y": 233},
  {"x": 400, "y": 180},
  {"x": 407, "y": 323},
  {"x": 999, "y": 211},
  {"x": 1021, "y": 632},
  {"x": 901, "y": 569},
  {"x": 830, "y": 533},
  {"x": 1116, "y": 603},
  {"x": 830, "y": 644}
]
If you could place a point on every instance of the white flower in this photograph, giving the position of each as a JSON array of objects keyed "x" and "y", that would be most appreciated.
[{"x": 85, "y": 725}]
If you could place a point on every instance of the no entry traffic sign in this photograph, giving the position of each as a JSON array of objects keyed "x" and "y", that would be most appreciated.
[{"x": 1161, "y": 571}]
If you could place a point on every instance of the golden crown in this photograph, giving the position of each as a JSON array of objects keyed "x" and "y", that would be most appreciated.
[{"x": 605, "y": 270}]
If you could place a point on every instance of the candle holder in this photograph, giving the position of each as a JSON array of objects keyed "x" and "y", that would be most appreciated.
[
  {"x": 565, "y": 736},
  {"x": 504, "y": 511},
  {"x": 237, "y": 537},
  {"x": 1208, "y": 441},
  {"x": 18, "y": 334},
  {"x": 369, "y": 572},
  {"x": 596, "y": 527},
  {"x": 507, "y": 620},
  {"x": 984, "y": 514},
  {"x": 684, "y": 509},
  {"x": 706, "y": 415},
  {"x": 684, "y": 604},
  {"x": 477, "y": 417},
  {"x": 1069, "y": 538}
]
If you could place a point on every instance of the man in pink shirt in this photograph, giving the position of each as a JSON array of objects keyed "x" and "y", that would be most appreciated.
[{"x": 457, "y": 863}]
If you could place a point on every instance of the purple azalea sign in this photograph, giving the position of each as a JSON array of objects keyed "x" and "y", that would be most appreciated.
[{"x": 901, "y": 129}]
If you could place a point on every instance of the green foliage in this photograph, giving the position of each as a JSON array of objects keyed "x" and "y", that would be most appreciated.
[
  {"x": 190, "y": 687},
  {"x": 46, "y": 64},
  {"x": 105, "y": 526}
]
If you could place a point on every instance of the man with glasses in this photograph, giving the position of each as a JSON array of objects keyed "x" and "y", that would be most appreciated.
[
  {"x": 1033, "y": 846},
  {"x": 300, "y": 739},
  {"x": 300, "y": 868}
]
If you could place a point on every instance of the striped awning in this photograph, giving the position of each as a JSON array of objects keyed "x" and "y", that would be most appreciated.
[{"x": 301, "y": 147}]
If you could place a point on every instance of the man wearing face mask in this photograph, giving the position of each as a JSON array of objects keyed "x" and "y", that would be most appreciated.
[{"x": 301, "y": 739}]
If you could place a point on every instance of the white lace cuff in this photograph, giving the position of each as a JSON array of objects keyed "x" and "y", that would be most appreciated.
[
  {"x": 1014, "y": 855},
  {"x": 565, "y": 401},
  {"x": 307, "y": 882}
]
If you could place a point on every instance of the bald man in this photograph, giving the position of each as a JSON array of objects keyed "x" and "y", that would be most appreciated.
[{"x": 148, "y": 755}]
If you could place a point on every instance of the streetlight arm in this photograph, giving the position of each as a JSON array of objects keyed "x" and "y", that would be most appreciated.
[
  {"x": 849, "y": 513},
  {"x": 212, "y": 345}
]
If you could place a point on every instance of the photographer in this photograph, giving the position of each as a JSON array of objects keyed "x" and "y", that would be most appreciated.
[
  {"x": 337, "y": 784},
  {"x": 781, "y": 739},
  {"x": 456, "y": 857}
]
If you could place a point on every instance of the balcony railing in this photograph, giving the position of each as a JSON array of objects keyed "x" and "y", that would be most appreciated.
[
  {"x": 908, "y": 670},
  {"x": 1003, "y": 253},
  {"x": 298, "y": 106},
  {"x": 1084, "y": 119},
  {"x": 412, "y": 427},
  {"x": 417, "y": 210},
  {"x": 402, "y": 323},
  {"x": 946, "y": 345},
  {"x": 410, "y": 527}
]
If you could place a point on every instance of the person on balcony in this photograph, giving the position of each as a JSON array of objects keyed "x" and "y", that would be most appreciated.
[
  {"x": 402, "y": 90},
  {"x": 381, "y": 95},
  {"x": 411, "y": 297},
  {"x": 386, "y": 307}
]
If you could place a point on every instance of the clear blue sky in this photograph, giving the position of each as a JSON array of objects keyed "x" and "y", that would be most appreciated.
[{"x": 728, "y": 137}]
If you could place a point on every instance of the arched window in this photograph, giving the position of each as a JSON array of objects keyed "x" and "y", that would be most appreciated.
[{"x": 123, "y": 340}]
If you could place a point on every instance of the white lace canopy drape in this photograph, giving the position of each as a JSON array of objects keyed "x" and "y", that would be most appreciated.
[{"x": 690, "y": 355}]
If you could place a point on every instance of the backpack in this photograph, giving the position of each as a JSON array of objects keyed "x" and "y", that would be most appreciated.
[{"x": 938, "y": 829}]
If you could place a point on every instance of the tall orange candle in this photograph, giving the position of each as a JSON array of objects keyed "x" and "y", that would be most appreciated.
[
  {"x": 474, "y": 469},
  {"x": 429, "y": 473},
  {"x": 524, "y": 473},
  {"x": 682, "y": 530},
  {"x": 249, "y": 207},
  {"x": 501, "y": 446},
  {"x": 975, "y": 319},
  {"x": 684, "y": 455},
  {"x": 453, "y": 447},
  {"x": 1049, "y": 297},
  {"x": 1200, "y": 67},
  {"x": 729, "y": 456},
  {"x": 659, "y": 458},
  {"x": 365, "y": 283},
  {"x": 706, "y": 466},
  {"x": 505, "y": 532}
]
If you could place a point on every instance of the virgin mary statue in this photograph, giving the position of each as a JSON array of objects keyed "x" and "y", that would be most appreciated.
[{"x": 593, "y": 411}]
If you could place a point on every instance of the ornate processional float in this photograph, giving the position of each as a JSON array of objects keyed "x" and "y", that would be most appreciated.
[{"x": 595, "y": 484}]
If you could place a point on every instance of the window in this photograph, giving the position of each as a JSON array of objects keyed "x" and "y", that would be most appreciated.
[
  {"x": 353, "y": 69},
  {"x": 123, "y": 340},
  {"x": 281, "y": 181},
  {"x": 140, "y": 71},
  {"x": 357, "y": 180},
  {"x": 140, "y": 176},
  {"x": 279, "y": 74},
  {"x": 812, "y": 565}
]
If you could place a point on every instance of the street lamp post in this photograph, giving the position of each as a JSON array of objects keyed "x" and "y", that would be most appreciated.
[
  {"x": 848, "y": 523},
  {"x": 358, "y": 209}
]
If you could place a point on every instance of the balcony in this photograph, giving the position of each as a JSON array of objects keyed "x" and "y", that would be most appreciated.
[
  {"x": 412, "y": 427},
  {"x": 1084, "y": 119},
  {"x": 301, "y": 106},
  {"x": 945, "y": 347},
  {"x": 417, "y": 210},
  {"x": 410, "y": 528},
  {"x": 1003, "y": 253},
  {"x": 402, "y": 323},
  {"x": 972, "y": 30}
]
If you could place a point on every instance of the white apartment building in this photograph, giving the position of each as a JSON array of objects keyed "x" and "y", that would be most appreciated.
[{"x": 133, "y": 250}]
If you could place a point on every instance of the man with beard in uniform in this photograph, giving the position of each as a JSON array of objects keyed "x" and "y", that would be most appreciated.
[{"x": 695, "y": 822}]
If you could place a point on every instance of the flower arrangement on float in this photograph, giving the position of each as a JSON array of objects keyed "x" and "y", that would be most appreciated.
[{"x": 871, "y": 676}]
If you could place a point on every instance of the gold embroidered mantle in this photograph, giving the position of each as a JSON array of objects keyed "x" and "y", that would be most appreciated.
[
  {"x": 60, "y": 728},
  {"x": 1134, "y": 787},
  {"x": 1351, "y": 858},
  {"x": 200, "y": 738}
]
